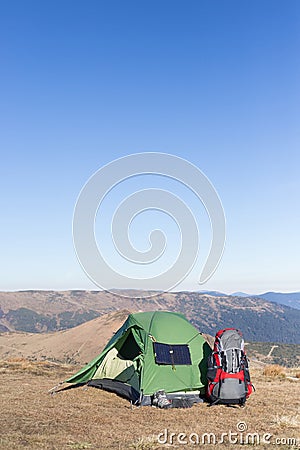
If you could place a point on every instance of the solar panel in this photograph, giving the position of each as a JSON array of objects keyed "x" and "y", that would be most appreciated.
[
  {"x": 162, "y": 353},
  {"x": 172, "y": 354}
]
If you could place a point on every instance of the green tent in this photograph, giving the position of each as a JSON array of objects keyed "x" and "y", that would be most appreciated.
[{"x": 152, "y": 351}]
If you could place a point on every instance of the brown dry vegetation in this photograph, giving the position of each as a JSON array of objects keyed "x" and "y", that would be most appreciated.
[
  {"x": 93, "y": 419},
  {"x": 274, "y": 371}
]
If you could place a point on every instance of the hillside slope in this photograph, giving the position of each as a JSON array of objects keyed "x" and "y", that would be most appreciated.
[
  {"x": 74, "y": 346},
  {"x": 81, "y": 344},
  {"x": 47, "y": 311},
  {"x": 291, "y": 299}
]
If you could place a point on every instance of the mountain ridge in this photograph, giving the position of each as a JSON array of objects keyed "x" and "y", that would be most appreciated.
[
  {"x": 49, "y": 311},
  {"x": 81, "y": 344},
  {"x": 291, "y": 299}
]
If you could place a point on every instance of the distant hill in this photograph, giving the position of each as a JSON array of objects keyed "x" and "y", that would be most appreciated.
[
  {"x": 287, "y": 355},
  {"x": 49, "y": 311},
  {"x": 213, "y": 293},
  {"x": 291, "y": 299},
  {"x": 258, "y": 319},
  {"x": 240, "y": 294},
  {"x": 76, "y": 345},
  {"x": 81, "y": 344}
]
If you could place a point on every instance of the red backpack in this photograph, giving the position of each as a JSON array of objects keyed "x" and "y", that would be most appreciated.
[{"x": 228, "y": 370}]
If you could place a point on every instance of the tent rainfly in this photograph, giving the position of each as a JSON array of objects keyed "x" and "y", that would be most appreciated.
[{"x": 152, "y": 351}]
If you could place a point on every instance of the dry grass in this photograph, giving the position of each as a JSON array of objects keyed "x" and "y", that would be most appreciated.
[
  {"x": 274, "y": 371},
  {"x": 31, "y": 367},
  {"x": 94, "y": 419},
  {"x": 287, "y": 421},
  {"x": 145, "y": 443}
]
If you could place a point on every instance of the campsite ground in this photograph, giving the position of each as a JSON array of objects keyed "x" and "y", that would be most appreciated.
[{"x": 93, "y": 419}]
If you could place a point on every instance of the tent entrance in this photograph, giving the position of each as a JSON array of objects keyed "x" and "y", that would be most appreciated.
[
  {"x": 121, "y": 363},
  {"x": 129, "y": 348}
]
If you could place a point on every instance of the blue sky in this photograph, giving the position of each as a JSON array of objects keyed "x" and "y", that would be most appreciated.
[{"x": 216, "y": 83}]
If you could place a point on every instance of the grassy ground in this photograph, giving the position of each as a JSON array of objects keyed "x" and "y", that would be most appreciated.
[{"x": 93, "y": 419}]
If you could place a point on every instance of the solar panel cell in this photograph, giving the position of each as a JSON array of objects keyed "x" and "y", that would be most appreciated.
[{"x": 175, "y": 354}]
